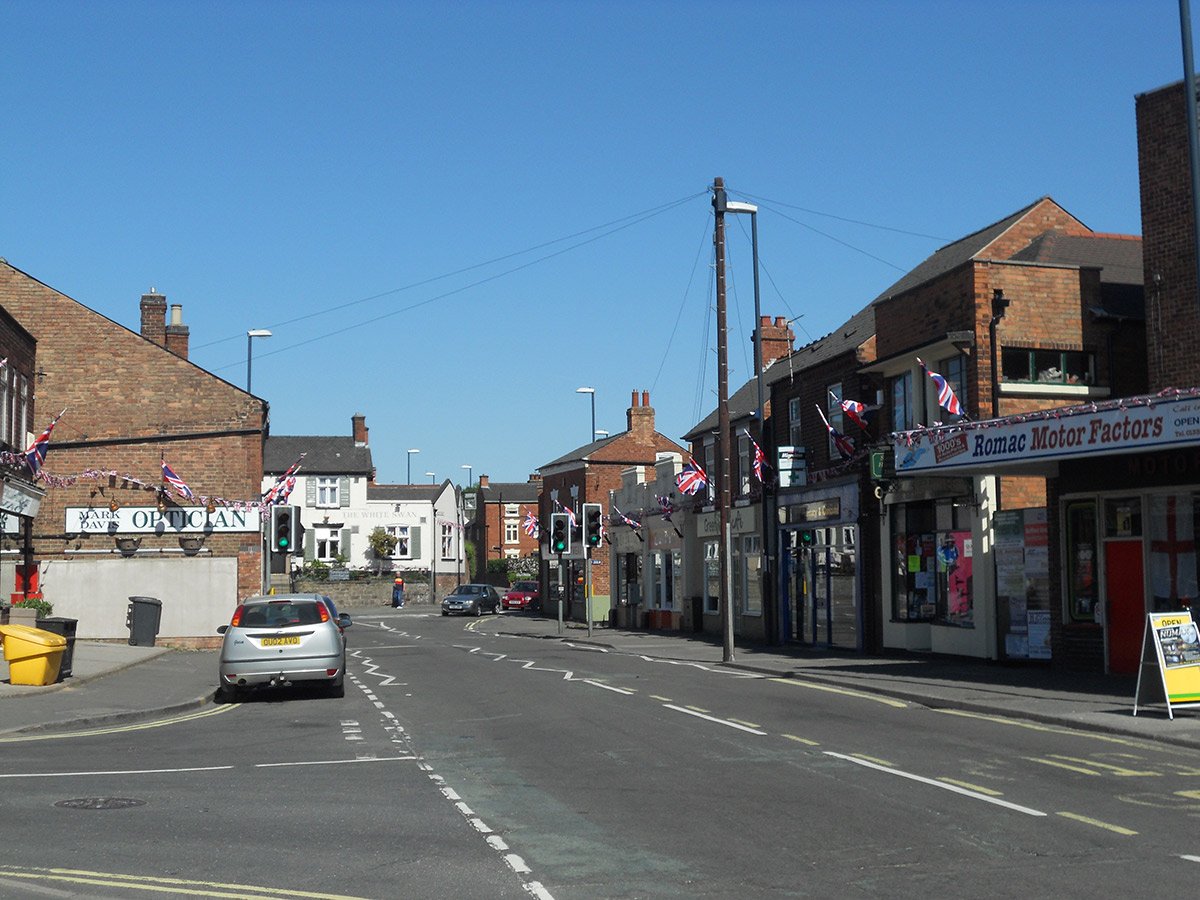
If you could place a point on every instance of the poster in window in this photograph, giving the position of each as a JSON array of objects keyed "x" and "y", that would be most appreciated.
[{"x": 955, "y": 565}]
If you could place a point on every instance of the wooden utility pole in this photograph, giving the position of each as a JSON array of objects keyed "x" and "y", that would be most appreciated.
[{"x": 724, "y": 439}]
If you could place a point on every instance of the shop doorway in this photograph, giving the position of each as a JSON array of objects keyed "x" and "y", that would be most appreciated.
[
  {"x": 821, "y": 583},
  {"x": 1124, "y": 579}
]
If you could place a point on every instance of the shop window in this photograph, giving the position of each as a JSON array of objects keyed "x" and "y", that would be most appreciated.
[
  {"x": 914, "y": 543},
  {"x": 1173, "y": 561},
  {"x": 1082, "y": 584},
  {"x": 955, "y": 579},
  {"x": 750, "y": 570},
  {"x": 712, "y": 578},
  {"x": 1123, "y": 517},
  {"x": 1023, "y": 364}
]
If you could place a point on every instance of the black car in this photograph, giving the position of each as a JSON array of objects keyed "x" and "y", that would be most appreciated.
[{"x": 471, "y": 600}]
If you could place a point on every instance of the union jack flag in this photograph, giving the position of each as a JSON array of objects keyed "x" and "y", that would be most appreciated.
[
  {"x": 945, "y": 393},
  {"x": 845, "y": 446},
  {"x": 854, "y": 410},
  {"x": 35, "y": 456},
  {"x": 760, "y": 461},
  {"x": 532, "y": 527},
  {"x": 181, "y": 487},
  {"x": 281, "y": 488},
  {"x": 691, "y": 479},
  {"x": 570, "y": 513},
  {"x": 624, "y": 518},
  {"x": 664, "y": 503}
]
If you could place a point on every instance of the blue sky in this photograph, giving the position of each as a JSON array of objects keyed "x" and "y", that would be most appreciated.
[{"x": 451, "y": 215}]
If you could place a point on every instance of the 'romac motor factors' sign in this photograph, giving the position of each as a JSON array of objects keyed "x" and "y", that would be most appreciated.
[
  {"x": 1142, "y": 423},
  {"x": 148, "y": 520}
]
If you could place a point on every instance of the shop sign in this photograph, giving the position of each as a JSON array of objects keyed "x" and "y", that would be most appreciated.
[
  {"x": 148, "y": 520},
  {"x": 792, "y": 466},
  {"x": 742, "y": 520},
  {"x": 1056, "y": 434},
  {"x": 827, "y": 510},
  {"x": 21, "y": 498}
]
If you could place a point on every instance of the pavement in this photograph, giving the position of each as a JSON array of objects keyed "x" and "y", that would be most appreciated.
[{"x": 116, "y": 682}]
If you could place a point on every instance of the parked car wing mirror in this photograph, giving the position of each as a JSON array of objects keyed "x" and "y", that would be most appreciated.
[
  {"x": 344, "y": 620},
  {"x": 222, "y": 629}
]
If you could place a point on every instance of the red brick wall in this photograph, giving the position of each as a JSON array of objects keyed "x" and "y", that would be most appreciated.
[
  {"x": 128, "y": 403},
  {"x": 1168, "y": 247}
]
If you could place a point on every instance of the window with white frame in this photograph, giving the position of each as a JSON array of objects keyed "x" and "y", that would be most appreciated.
[
  {"x": 512, "y": 532},
  {"x": 447, "y": 540},
  {"x": 328, "y": 491},
  {"x": 903, "y": 411},
  {"x": 795, "y": 437},
  {"x": 512, "y": 509},
  {"x": 6, "y": 431},
  {"x": 328, "y": 543},
  {"x": 743, "y": 465},
  {"x": 751, "y": 568},
  {"x": 403, "y": 545}
]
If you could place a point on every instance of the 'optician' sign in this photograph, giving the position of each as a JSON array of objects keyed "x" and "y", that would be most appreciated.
[{"x": 148, "y": 520}]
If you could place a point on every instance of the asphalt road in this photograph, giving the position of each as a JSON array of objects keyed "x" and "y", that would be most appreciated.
[{"x": 466, "y": 764}]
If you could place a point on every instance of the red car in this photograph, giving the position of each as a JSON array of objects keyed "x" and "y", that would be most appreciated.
[{"x": 523, "y": 595}]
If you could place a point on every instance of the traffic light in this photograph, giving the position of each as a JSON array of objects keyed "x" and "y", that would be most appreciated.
[
  {"x": 283, "y": 529},
  {"x": 807, "y": 537},
  {"x": 593, "y": 526},
  {"x": 560, "y": 533}
]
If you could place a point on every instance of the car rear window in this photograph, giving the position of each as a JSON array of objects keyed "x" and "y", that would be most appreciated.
[{"x": 281, "y": 614}]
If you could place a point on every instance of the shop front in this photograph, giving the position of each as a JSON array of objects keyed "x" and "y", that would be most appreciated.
[
  {"x": 1074, "y": 582},
  {"x": 820, "y": 591}
]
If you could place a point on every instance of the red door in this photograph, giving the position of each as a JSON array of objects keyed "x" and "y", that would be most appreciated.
[{"x": 1124, "y": 586}]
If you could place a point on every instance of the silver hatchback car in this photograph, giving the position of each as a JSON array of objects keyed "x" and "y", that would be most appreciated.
[{"x": 281, "y": 640}]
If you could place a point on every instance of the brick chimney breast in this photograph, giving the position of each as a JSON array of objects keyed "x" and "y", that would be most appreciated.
[
  {"x": 358, "y": 424},
  {"x": 154, "y": 317},
  {"x": 483, "y": 481}
]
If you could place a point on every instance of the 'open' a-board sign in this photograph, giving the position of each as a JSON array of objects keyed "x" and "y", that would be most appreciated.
[{"x": 1172, "y": 646}]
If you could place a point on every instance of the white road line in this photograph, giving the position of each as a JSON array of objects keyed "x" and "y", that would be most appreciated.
[
  {"x": 1190, "y": 858},
  {"x": 698, "y": 715},
  {"x": 937, "y": 784},
  {"x": 114, "y": 772},
  {"x": 608, "y": 687},
  {"x": 328, "y": 762}
]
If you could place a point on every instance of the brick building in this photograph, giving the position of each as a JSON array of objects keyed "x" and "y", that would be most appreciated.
[
  {"x": 587, "y": 475},
  {"x": 1028, "y": 315},
  {"x": 496, "y": 527},
  {"x": 106, "y": 530}
]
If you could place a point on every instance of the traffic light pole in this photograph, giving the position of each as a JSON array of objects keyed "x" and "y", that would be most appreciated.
[
  {"x": 560, "y": 596},
  {"x": 587, "y": 589}
]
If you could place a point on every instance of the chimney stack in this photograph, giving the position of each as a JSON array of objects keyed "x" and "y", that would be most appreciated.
[
  {"x": 358, "y": 424},
  {"x": 483, "y": 482},
  {"x": 176, "y": 338},
  {"x": 154, "y": 317},
  {"x": 640, "y": 418},
  {"x": 777, "y": 337}
]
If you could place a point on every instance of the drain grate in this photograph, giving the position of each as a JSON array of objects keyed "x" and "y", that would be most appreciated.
[{"x": 101, "y": 803}]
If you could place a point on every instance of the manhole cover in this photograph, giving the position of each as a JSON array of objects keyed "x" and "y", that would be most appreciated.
[{"x": 100, "y": 803}]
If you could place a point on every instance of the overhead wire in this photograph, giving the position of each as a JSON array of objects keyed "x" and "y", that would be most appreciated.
[
  {"x": 325, "y": 335},
  {"x": 638, "y": 216}
]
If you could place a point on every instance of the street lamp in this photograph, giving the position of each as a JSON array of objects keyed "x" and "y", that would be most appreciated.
[
  {"x": 410, "y": 453},
  {"x": 470, "y": 477},
  {"x": 600, "y": 432},
  {"x": 432, "y": 477},
  {"x": 592, "y": 391},
  {"x": 250, "y": 336}
]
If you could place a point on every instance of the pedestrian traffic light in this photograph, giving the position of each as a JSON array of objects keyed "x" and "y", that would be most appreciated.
[
  {"x": 283, "y": 529},
  {"x": 593, "y": 525},
  {"x": 807, "y": 537},
  {"x": 560, "y": 533}
]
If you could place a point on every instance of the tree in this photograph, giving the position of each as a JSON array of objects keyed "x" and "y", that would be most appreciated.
[{"x": 382, "y": 545}]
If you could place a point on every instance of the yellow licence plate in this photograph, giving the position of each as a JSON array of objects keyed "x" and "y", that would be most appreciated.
[{"x": 279, "y": 641}]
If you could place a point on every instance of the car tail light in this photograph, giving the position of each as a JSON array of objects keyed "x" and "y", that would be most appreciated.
[
  {"x": 324, "y": 612},
  {"x": 237, "y": 616}
]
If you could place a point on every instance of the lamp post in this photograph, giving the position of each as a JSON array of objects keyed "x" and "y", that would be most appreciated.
[
  {"x": 599, "y": 432},
  {"x": 410, "y": 453},
  {"x": 250, "y": 336},
  {"x": 432, "y": 477},
  {"x": 462, "y": 529},
  {"x": 470, "y": 477},
  {"x": 592, "y": 391}
]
